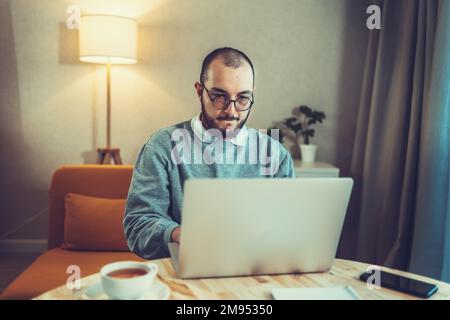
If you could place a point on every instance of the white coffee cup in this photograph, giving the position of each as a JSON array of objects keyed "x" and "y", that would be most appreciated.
[{"x": 129, "y": 287}]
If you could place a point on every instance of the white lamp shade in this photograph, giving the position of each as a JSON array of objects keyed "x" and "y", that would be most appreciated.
[{"x": 108, "y": 39}]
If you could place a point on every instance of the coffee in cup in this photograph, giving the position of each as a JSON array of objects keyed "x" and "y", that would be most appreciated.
[{"x": 127, "y": 279}]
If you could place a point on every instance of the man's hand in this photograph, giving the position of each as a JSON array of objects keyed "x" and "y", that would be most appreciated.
[{"x": 176, "y": 235}]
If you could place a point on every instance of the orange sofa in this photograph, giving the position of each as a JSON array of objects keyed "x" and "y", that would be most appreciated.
[{"x": 48, "y": 271}]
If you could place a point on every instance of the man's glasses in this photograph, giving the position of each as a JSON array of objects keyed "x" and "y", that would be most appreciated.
[{"x": 221, "y": 101}]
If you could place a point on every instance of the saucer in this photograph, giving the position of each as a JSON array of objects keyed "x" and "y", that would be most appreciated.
[{"x": 158, "y": 291}]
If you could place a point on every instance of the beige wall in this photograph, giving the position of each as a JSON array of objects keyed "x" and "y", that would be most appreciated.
[{"x": 53, "y": 107}]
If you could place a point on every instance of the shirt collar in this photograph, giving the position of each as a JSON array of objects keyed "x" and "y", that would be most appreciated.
[{"x": 240, "y": 139}]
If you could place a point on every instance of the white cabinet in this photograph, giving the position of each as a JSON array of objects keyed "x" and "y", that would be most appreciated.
[{"x": 315, "y": 170}]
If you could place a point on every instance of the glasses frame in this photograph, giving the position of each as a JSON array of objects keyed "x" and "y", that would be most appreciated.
[{"x": 252, "y": 101}]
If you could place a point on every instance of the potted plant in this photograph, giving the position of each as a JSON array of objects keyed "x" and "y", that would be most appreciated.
[{"x": 301, "y": 126}]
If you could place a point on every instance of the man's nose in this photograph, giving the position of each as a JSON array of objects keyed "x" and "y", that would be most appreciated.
[{"x": 231, "y": 108}]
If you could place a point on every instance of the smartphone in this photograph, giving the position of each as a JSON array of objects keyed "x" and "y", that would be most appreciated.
[{"x": 401, "y": 283}]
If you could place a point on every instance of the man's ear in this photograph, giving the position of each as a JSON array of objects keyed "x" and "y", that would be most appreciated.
[{"x": 198, "y": 89}]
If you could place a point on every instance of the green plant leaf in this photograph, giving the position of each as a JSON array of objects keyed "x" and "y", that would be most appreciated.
[
  {"x": 290, "y": 121},
  {"x": 306, "y": 111},
  {"x": 309, "y": 132},
  {"x": 319, "y": 116},
  {"x": 297, "y": 127}
]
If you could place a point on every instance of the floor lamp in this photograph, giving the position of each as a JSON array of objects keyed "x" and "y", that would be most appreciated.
[{"x": 108, "y": 40}]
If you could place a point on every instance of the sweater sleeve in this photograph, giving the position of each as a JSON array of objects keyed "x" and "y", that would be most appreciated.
[
  {"x": 147, "y": 223},
  {"x": 286, "y": 169}
]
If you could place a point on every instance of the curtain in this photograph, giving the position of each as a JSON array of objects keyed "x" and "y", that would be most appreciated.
[
  {"x": 431, "y": 240},
  {"x": 399, "y": 212}
]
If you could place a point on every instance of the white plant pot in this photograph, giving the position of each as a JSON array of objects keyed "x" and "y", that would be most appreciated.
[{"x": 308, "y": 152}]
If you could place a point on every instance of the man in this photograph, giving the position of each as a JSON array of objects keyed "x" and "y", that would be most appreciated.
[{"x": 214, "y": 144}]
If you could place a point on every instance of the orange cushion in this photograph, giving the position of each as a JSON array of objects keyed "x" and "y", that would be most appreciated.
[
  {"x": 49, "y": 271},
  {"x": 95, "y": 180},
  {"x": 94, "y": 223}
]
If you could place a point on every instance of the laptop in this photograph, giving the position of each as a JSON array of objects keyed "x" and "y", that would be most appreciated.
[{"x": 241, "y": 227}]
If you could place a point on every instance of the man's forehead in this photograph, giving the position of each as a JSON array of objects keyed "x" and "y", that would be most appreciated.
[{"x": 224, "y": 77}]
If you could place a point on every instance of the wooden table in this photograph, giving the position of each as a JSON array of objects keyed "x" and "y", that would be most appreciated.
[{"x": 343, "y": 272}]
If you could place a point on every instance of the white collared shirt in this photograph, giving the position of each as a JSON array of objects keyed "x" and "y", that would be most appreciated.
[{"x": 197, "y": 126}]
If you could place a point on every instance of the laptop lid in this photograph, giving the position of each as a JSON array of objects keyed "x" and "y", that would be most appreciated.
[{"x": 233, "y": 227}]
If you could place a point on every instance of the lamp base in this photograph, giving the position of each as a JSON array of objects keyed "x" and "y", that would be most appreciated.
[{"x": 105, "y": 155}]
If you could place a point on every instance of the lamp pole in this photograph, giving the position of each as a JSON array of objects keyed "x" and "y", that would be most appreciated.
[
  {"x": 105, "y": 155},
  {"x": 108, "y": 105}
]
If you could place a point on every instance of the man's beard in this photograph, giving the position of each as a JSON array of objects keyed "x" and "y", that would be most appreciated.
[{"x": 209, "y": 123}]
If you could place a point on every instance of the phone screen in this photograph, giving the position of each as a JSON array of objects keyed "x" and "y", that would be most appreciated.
[{"x": 402, "y": 283}]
